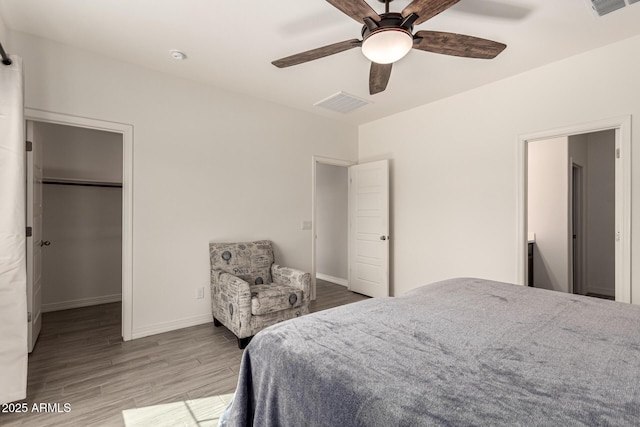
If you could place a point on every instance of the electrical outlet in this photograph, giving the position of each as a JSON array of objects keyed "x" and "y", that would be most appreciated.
[{"x": 199, "y": 293}]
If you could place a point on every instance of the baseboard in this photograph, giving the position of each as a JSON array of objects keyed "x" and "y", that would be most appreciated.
[
  {"x": 601, "y": 291},
  {"x": 77, "y": 303},
  {"x": 159, "y": 328},
  {"x": 336, "y": 280}
]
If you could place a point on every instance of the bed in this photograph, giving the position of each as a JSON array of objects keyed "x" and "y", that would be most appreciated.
[{"x": 457, "y": 352}]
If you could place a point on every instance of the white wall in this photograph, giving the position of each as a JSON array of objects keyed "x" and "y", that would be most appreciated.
[
  {"x": 600, "y": 268},
  {"x": 455, "y": 165},
  {"x": 548, "y": 212},
  {"x": 208, "y": 165},
  {"x": 332, "y": 221},
  {"x": 83, "y": 264},
  {"x": 579, "y": 155},
  {"x": 81, "y": 154},
  {"x": 4, "y": 35},
  {"x": 578, "y": 152}
]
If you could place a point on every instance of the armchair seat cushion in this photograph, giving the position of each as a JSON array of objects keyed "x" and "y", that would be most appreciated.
[{"x": 273, "y": 297}]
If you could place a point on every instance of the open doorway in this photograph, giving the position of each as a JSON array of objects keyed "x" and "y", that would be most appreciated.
[
  {"x": 330, "y": 216},
  {"x": 332, "y": 226},
  {"x": 358, "y": 198},
  {"x": 73, "y": 180},
  {"x": 571, "y": 213},
  {"x": 575, "y": 198},
  {"x": 82, "y": 216},
  {"x": 78, "y": 228}
]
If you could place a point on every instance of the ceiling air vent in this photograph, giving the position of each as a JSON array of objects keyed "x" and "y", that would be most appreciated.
[
  {"x": 342, "y": 102},
  {"x": 602, "y": 7}
]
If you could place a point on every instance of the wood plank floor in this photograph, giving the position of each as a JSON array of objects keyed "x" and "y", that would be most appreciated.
[{"x": 80, "y": 359}]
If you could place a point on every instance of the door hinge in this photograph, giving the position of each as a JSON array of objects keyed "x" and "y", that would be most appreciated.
[
  {"x": 29, "y": 146},
  {"x": 29, "y": 317},
  {"x": 617, "y": 153},
  {"x": 29, "y": 231},
  {"x": 618, "y": 236}
]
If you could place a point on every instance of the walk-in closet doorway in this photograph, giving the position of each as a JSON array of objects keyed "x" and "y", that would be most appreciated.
[{"x": 79, "y": 178}]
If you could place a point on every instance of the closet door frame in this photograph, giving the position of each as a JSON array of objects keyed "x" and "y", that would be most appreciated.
[{"x": 126, "y": 130}]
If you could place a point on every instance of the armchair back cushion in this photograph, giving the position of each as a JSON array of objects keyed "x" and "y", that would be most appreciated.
[{"x": 250, "y": 261}]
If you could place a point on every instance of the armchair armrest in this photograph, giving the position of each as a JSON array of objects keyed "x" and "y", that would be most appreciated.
[
  {"x": 292, "y": 277},
  {"x": 234, "y": 288}
]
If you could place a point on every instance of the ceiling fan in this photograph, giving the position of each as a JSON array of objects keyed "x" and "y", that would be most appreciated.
[{"x": 388, "y": 37}]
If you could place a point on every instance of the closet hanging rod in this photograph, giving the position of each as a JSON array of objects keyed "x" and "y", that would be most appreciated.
[
  {"x": 84, "y": 184},
  {"x": 5, "y": 57}
]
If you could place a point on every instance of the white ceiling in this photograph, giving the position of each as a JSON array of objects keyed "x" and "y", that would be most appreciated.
[{"x": 231, "y": 44}]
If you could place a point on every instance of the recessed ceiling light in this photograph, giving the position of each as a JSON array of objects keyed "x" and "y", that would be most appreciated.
[{"x": 176, "y": 54}]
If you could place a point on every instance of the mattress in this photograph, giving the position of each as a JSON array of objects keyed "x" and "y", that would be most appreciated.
[{"x": 457, "y": 352}]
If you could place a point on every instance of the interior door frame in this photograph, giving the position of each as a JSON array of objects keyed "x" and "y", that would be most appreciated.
[
  {"x": 314, "y": 164},
  {"x": 576, "y": 221},
  {"x": 622, "y": 127},
  {"x": 126, "y": 131}
]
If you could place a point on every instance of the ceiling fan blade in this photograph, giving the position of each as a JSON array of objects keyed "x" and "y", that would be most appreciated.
[
  {"x": 427, "y": 9},
  {"x": 379, "y": 77},
  {"x": 457, "y": 45},
  {"x": 320, "y": 52},
  {"x": 357, "y": 9}
]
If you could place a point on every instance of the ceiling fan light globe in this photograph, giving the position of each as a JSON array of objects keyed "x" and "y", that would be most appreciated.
[{"x": 387, "y": 45}]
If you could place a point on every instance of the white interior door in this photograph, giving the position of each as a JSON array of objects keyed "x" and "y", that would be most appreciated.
[
  {"x": 34, "y": 242},
  {"x": 369, "y": 228}
]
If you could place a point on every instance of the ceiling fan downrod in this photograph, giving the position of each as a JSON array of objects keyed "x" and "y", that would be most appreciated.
[{"x": 386, "y": 5}]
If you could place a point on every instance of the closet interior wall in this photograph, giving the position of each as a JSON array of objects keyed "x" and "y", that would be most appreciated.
[{"x": 82, "y": 216}]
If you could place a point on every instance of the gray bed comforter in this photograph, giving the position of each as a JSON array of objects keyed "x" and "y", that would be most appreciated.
[{"x": 457, "y": 352}]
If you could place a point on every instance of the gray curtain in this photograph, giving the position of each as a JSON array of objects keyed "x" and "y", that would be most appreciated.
[{"x": 13, "y": 299}]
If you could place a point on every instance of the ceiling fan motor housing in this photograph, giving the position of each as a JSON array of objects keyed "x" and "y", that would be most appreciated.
[{"x": 388, "y": 21}]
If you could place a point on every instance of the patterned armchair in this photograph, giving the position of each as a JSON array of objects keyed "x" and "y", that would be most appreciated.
[{"x": 250, "y": 292}]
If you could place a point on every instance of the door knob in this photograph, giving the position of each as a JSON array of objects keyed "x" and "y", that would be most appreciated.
[
  {"x": 45, "y": 243},
  {"x": 383, "y": 237}
]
